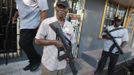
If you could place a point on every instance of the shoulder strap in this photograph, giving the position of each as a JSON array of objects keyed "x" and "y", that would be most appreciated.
[
  {"x": 116, "y": 29},
  {"x": 112, "y": 48}
]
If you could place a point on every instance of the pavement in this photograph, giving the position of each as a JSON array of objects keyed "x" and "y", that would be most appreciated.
[{"x": 15, "y": 68}]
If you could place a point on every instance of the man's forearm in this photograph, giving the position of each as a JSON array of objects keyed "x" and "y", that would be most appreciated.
[
  {"x": 124, "y": 43},
  {"x": 43, "y": 15},
  {"x": 14, "y": 18},
  {"x": 16, "y": 14},
  {"x": 43, "y": 42},
  {"x": 106, "y": 37}
]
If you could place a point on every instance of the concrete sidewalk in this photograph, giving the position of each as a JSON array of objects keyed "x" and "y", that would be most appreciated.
[
  {"x": 86, "y": 67},
  {"x": 16, "y": 69}
]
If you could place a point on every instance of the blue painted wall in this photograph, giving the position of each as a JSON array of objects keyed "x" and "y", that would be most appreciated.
[{"x": 91, "y": 25}]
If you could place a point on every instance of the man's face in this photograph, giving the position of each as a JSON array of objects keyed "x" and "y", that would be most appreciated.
[
  {"x": 117, "y": 23},
  {"x": 61, "y": 11}
]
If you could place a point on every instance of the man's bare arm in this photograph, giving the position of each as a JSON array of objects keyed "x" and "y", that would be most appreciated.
[
  {"x": 44, "y": 42},
  {"x": 106, "y": 37},
  {"x": 14, "y": 18},
  {"x": 43, "y": 15},
  {"x": 124, "y": 43}
]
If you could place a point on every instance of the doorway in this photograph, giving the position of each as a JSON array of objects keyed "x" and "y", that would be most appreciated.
[{"x": 130, "y": 28}]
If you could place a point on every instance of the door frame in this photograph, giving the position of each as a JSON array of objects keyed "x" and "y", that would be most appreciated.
[{"x": 127, "y": 23}]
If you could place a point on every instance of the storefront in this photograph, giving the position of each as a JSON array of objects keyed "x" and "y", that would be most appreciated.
[
  {"x": 122, "y": 11},
  {"x": 88, "y": 18},
  {"x": 75, "y": 16},
  {"x": 130, "y": 26},
  {"x": 100, "y": 13}
]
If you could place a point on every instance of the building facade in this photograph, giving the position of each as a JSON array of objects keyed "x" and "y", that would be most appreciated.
[{"x": 88, "y": 18}]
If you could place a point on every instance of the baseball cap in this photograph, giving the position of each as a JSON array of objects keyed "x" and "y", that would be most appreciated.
[
  {"x": 117, "y": 19},
  {"x": 62, "y": 3}
]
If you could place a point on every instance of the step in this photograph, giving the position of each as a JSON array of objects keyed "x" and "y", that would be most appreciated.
[
  {"x": 92, "y": 57},
  {"x": 77, "y": 65},
  {"x": 16, "y": 67},
  {"x": 85, "y": 69}
]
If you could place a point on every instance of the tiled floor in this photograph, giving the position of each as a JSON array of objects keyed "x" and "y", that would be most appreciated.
[{"x": 16, "y": 69}]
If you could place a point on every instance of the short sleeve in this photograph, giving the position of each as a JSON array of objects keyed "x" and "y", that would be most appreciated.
[
  {"x": 43, "y": 5},
  {"x": 125, "y": 36},
  {"x": 73, "y": 38},
  {"x": 16, "y": 6},
  {"x": 42, "y": 31},
  {"x": 71, "y": 31}
]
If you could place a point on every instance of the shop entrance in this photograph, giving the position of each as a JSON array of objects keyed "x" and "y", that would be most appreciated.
[
  {"x": 130, "y": 27},
  {"x": 75, "y": 16},
  {"x": 131, "y": 30}
]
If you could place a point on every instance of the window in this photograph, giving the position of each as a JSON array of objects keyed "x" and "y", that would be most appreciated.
[
  {"x": 110, "y": 13},
  {"x": 112, "y": 10},
  {"x": 122, "y": 12}
]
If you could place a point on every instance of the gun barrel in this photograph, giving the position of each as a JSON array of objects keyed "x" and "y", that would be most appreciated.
[
  {"x": 73, "y": 68},
  {"x": 68, "y": 53}
]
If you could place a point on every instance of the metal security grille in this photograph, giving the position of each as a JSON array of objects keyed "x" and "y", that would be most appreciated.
[{"x": 8, "y": 32}]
